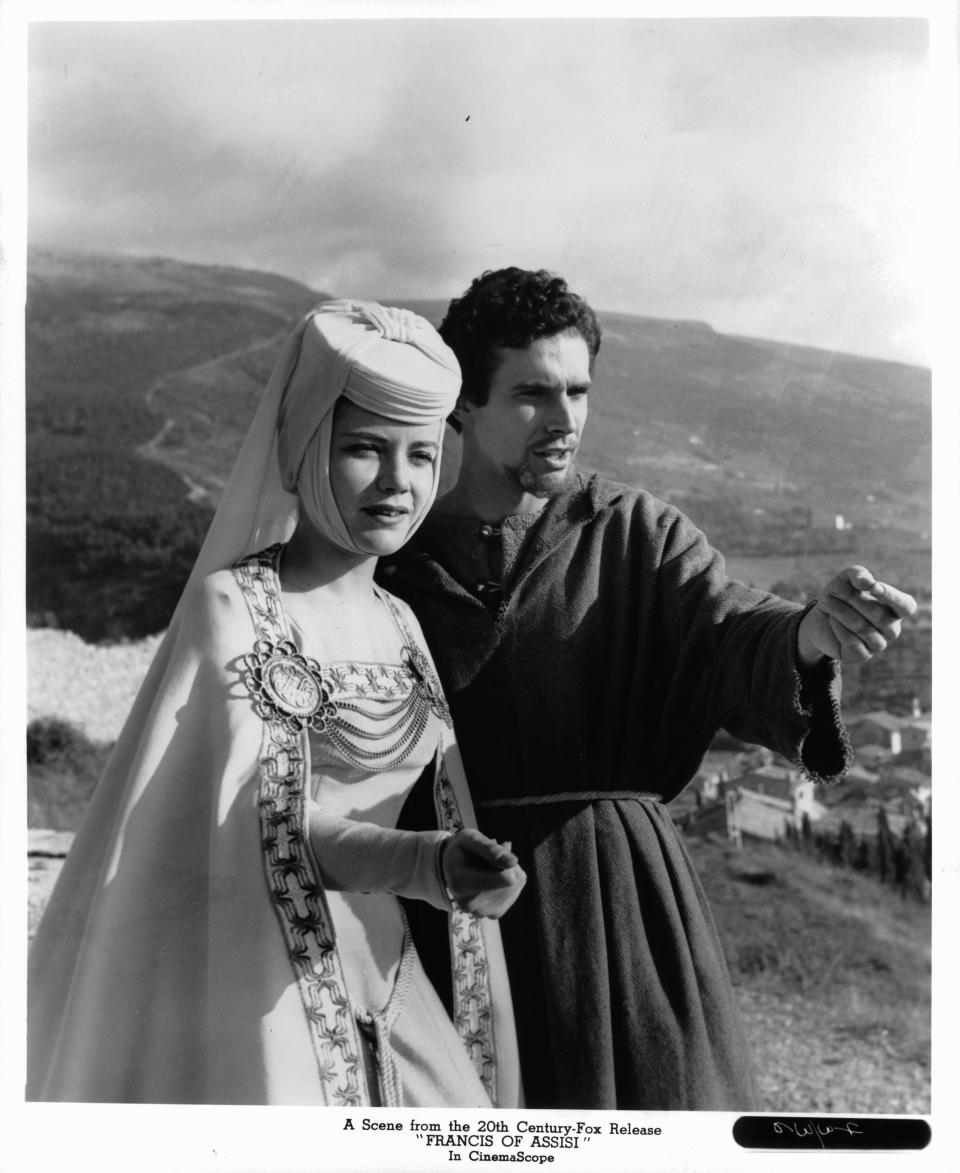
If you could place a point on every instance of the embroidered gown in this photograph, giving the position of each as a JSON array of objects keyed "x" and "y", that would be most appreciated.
[{"x": 201, "y": 944}]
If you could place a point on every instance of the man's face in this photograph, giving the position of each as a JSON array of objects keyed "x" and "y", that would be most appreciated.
[{"x": 520, "y": 445}]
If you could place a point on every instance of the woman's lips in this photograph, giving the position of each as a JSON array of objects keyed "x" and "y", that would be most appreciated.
[{"x": 386, "y": 514}]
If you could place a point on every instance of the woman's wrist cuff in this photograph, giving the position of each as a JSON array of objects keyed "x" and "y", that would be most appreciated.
[{"x": 441, "y": 877}]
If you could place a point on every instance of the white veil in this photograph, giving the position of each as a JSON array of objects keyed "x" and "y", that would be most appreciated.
[{"x": 159, "y": 973}]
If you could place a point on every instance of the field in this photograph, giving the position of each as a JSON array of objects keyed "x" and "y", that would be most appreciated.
[{"x": 832, "y": 974}]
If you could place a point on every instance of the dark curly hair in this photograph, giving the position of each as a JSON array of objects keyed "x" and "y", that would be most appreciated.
[{"x": 511, "y": 307}]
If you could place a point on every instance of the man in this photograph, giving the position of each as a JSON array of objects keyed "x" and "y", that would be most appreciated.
[{"x": 591, "y": 646}]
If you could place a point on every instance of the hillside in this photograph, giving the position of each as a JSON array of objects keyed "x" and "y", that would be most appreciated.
[
  {"x": 832, "y": 977},
  {"x": 690, "y": 413},
  {"x": 107, "y": 521},
  {"x": 142, "y": 375}
]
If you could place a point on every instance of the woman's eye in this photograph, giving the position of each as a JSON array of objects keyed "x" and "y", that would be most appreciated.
[{"x": 422, "y": 457}]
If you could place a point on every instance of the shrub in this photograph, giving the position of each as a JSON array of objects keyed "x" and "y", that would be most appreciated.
[
  {"x": 63, "y": 768},
  {"x": 51, "y": 740}
]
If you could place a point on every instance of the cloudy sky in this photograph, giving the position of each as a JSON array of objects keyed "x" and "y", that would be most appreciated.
[{"x": 764, "y": 175}]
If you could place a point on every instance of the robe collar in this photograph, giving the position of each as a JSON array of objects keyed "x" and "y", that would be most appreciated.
[{"x": 587, "y": 497}]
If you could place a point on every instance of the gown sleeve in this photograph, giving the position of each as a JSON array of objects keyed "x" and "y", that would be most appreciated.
[{"x": 355, "y": 856}]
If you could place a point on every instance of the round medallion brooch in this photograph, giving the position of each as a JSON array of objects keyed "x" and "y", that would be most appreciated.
[{"x": 287, "y": 686}]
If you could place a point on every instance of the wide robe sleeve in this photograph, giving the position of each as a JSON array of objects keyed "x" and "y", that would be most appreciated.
[{"x": 726, "y": 657}]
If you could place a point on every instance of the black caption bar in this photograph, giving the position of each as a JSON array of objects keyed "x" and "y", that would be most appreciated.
[{"x": 830, "y": 1132}]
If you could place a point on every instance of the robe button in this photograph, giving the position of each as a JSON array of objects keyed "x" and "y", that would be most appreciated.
[{"x": 486, "y": 531}]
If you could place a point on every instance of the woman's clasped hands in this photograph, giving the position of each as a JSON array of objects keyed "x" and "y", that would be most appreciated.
[{"x": 483, "y": 876}]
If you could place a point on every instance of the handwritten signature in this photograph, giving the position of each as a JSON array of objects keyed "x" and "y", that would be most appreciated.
[{"x": 810, "y": 1128}]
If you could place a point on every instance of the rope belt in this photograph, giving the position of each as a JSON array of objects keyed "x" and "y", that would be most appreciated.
[{"x": 570, "y": 796}]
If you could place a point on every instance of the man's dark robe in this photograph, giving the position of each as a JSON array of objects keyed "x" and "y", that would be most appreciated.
[{"x": 587, "y": 677}]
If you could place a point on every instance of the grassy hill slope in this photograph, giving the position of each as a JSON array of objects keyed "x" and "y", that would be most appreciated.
[
  {"x": 111, "y": 534},
  {"x": 832, "y": 975},
  {"x": 142, "y": 375},
  {"x": 738, "y": 424}
]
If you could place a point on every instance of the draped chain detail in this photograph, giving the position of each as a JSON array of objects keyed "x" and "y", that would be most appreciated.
[{"x": 368, "y": 734}]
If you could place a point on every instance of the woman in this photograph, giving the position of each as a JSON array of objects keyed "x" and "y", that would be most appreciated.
[{"x": 227, "y": 926}]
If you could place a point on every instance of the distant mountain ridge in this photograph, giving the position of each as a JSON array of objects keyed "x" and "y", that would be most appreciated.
[
  {"x": 678, "y": 407},
  {"x": 143, "y": 373}
]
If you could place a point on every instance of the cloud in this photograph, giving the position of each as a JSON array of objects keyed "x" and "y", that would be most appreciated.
[{"x": 733, "y": 170}]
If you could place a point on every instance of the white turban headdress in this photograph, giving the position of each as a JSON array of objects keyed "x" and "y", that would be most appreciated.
[{"x": 388, "y": 361}]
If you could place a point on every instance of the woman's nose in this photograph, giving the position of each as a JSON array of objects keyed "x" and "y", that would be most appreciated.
[{"x": 394, "y": 475}]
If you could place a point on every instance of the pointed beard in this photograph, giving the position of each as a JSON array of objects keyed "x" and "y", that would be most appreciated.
[{"x": 548, "y": 484}]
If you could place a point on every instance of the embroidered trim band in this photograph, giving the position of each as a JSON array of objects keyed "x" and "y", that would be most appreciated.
[
  {"x": 472, "y": 999},
  {"x": 296, "y": 891}
]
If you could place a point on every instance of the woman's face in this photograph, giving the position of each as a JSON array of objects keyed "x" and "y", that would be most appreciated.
[{"x": 381, "y": 473}]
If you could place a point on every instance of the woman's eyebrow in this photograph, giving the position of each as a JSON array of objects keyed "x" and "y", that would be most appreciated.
[{"x": 361, "y": 435}]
